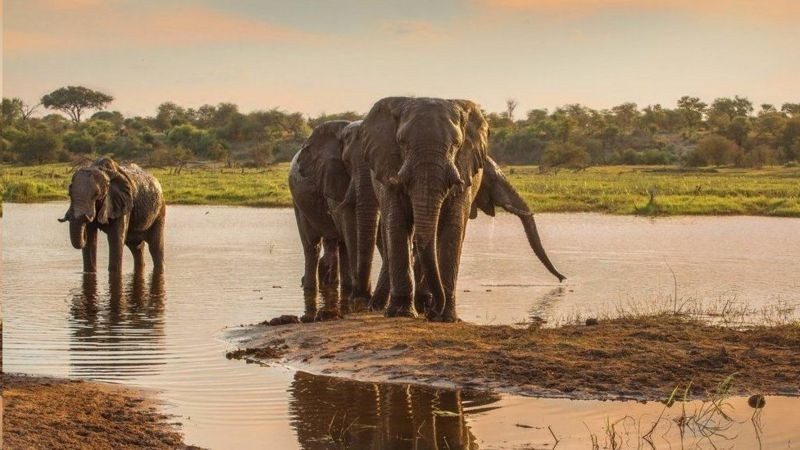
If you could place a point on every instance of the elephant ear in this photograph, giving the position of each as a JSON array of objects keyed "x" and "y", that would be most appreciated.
[
  {"x": 335, "y": 180},
  {"x": 378, "y": 134},
  {"x": 475, "y": 149},
  {"x": 118, "y": 200}
]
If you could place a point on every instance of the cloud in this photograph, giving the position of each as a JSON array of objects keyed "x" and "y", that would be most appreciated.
[
  {"x": 117, "y": 28},
  {"x": 774, "y": 10}
]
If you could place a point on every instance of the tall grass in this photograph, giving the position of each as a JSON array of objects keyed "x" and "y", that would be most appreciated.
[{"x": 614, "y": 190}]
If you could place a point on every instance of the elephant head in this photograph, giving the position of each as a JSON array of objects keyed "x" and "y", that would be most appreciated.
[
  {"x": 98, "y": 193},
  {"x": 495, "y": 190},
  {"x": 426, "y": 148}
]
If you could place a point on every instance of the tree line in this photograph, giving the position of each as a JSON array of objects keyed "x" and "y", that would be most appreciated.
[{"x": 728, "y": 131}]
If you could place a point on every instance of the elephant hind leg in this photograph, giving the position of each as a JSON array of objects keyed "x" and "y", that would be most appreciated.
[
  {"x": 155, "y": 244},
  {"x": 311, "y": 246},
  {"x": 137, "y": 249}
]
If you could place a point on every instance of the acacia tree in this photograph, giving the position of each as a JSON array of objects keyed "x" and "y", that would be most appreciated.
[{"x": 74, "y": 100}]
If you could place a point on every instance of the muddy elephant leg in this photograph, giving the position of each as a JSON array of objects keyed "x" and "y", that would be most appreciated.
[
  {"x": 398, "y": 237},
  {"x": 90, "y": 250},
  {"x": 452, "y": 224},
  {"x": 311, "y": 243},
  {"x": 345, "y": 282},
  {"x": 155, "y": 244},
  {"x": 380, "y": 296},
  {"x": 116, "y": 243},
  {"x": 137, "y": 250},
  {"x": 329, "y": 280},
  {"x": 422, "y": 294}
]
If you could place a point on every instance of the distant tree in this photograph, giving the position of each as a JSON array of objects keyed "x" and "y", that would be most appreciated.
[
  {"x": 738, "y": 129},
  {"x": 511, "y": 106},
  {"x": 792, "y": 109},
  {"x": 713, "y": 150},
  {"x": 567, "y": 154},
  {"x": 74, "y": 100},
  {"x": 347, "y": 115},
  {"x": 692, "y": 110},
  {"x": 169, "y": 114},
  {"x": 39, "y": 146}
]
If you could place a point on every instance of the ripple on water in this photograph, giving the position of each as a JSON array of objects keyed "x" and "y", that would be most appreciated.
[{"x": 231, "y": 266}]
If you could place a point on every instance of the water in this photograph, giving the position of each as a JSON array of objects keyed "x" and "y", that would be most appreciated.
[{"x": 231, "y": 266}]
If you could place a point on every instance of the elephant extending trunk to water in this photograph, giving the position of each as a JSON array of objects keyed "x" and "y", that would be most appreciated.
[
  {"x": 126, "y": 203},
  {"x": 428, "y": 157}
]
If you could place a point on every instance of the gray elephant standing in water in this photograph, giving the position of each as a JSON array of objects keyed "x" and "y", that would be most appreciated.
[
  {"x": 323, "y": 182},
  {"x": 427, "y": 157},
  {"x": 126, "y": 203}
]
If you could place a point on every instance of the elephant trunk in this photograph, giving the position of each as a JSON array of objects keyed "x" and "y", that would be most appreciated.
[
  {"x": 536, "y": 244},
  {"x": 367, "y": 228},
  {"x": 426, "y": 203},
  {"x": 77, "y": 233},
  {"x": 510, "y": 200}
]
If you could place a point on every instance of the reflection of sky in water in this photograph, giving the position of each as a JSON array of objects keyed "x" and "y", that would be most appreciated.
[{"x": 230, "y": 266}]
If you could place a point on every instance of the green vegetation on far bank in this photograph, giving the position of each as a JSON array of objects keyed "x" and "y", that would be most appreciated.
[{"x": 662, "y": 190}]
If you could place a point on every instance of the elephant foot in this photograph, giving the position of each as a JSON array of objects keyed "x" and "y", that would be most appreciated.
[
  {"x": 404, "y": 309},
  {"x": 448, "y": 316},
  {"x": 359, "y": 304},
  {"x": 326, "y": 314},
  {"x": 307, "y": 318},
  {"x": 422, "y": 302}
]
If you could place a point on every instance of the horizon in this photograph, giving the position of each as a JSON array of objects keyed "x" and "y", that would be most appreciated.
[{"x": 343, "y": 57}]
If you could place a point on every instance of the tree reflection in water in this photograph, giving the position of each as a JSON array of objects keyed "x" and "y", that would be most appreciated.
[{"x": 335, "y": 413}]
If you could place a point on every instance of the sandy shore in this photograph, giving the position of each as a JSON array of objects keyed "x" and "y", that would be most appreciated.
[
  {"x": 49, "y": 413},
  {"x": 643, "y": 358}
]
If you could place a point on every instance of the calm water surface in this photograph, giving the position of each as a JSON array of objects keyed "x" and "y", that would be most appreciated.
[{"x": 230, "y": 266}]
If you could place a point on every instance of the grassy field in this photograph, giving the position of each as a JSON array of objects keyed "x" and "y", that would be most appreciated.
[{"x": 771, "y": 191}]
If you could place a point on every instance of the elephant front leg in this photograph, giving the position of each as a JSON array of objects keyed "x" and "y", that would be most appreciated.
[
  {"x": 380, "y": 296},
  {"x": 398, "y": 237},
  {"x": 90, "y": 250},
  {"x": 116, "y": 242},
  {"x": 451, "y": 231},
  {"x": 329, "y": 281}
]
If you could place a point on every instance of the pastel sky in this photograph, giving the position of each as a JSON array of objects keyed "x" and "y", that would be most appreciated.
[{"x": 335, "y": 55}]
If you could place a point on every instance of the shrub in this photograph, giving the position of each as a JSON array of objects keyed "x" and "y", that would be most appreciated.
[
  {"x": 713, "y": 150},
  {"x": 566, "y": 154}
]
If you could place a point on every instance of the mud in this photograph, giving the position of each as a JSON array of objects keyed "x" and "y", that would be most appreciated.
[
  {"x": 49, "y": 413},
  {"x": 640, "y": 358}
]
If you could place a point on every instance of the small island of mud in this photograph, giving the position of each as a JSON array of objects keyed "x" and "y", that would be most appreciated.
[
  {"x": 50, "y": 413},
  {"x": 641, "y": 358}
]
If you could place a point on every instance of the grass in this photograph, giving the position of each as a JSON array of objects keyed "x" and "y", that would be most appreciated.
[{"x": 627, "y": 190}]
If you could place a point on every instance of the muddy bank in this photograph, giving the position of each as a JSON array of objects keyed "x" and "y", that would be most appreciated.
[
  {"x": 48, "y": 413},
  {"x": 642, "y": 358}
]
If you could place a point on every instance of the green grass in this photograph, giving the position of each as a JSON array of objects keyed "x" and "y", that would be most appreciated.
[{"x": 771, "y": 191}]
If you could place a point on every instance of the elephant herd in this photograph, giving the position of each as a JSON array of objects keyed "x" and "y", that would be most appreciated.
[{"x": 405, "y": 179}]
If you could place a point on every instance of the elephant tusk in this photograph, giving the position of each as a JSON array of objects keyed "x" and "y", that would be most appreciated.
[{"x": 62, "y": 219}]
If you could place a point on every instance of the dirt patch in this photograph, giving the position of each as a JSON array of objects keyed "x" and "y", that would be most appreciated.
[
  {"x": 48, "y": 413},
  {"x": 641, "y": 358}
]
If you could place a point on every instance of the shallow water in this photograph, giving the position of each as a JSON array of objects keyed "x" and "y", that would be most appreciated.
[{"x": 230, "y": 266}]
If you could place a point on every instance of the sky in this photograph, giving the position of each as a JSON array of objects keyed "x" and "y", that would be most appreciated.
[{"x": 328, "y": 56}]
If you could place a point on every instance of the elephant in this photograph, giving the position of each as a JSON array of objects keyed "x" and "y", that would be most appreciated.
[
  {"x": 326, "y": 207},
  {"x": 427, "y": 158},
  {"x": 123, "y": 201}
]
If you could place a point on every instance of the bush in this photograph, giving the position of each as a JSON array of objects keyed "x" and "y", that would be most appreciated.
[
  {"x": 80, "y": 143},
  {"x": 39, "y": 146},
  {"x": 713, "y": 150},
  {"x": 566, "y": 154}
]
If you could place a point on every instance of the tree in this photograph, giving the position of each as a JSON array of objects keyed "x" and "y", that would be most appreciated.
[
  {"x": 511, "y": 105},
  {"x": 74, "y": 100},
  {"x": 713, "y": 149},
  {"x": 792, "y": 109},
  {"x": 565, "y": 154},
  {"x": 692, "y": 110},
  {"x": 39, "y": 146}
]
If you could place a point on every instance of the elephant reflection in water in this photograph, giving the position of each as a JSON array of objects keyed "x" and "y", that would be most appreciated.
[
  {"x": 119, "y": 333},
  {"x": 328, "y": 412}
]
